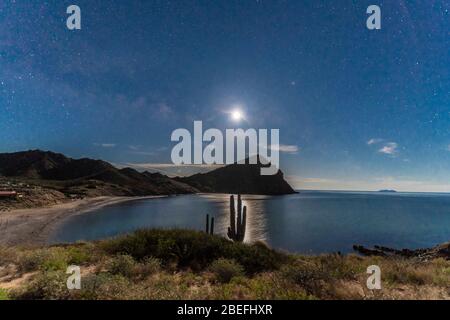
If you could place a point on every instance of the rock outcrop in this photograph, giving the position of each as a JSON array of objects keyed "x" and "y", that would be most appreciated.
[{"x": 239, "y": 179}]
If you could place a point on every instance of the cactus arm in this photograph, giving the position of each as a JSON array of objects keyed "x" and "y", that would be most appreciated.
[
  {"x": 239, "y": 204},
  {"x": 232, "y": 229},
  {"x": 236, "y": 231},
  {"x": 207, "y": 223},
  {"x": 212, "y": 225},
  {"x": 239, "y": 217},
  {"x": 244, "y": 223},
  {"x": 230, "y": 234}
]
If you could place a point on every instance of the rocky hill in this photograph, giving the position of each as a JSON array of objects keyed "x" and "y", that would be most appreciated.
[
  {"x": 239, "y": 178},
  {"x": 86, "y": 177}
]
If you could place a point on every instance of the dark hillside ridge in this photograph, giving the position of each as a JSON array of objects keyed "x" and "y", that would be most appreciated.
[
  {"x": 239, "y": 179},
  {"x": 96, "y": 177},
  {"x": 49, "y": 166}
]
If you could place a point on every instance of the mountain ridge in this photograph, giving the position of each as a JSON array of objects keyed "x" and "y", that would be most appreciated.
[
  {"x": 241, "y": 178},
  {"x": 82, "y": 175},
  {"x": 90, "y": 177}
]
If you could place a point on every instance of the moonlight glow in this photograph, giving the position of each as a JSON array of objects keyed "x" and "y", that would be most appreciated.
[{"x": 237, "y": 115}]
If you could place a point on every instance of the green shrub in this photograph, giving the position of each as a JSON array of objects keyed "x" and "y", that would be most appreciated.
[
  {"x": 103, "y": 286},
  {"x": 79, "y": 255},
  {"x": 47, "y": 259},
  {"x": 30, "y": 260},
  {"x": 56, "y": 260},
  {"x": 51, "y": 285},
  {"x": 3, "y": 294},
  {"x": 122, "y": 265},
  {"x": 338, "y": 267},
  {"x": 225, "y": 269},
  {"x": 195, "y": 250},
  {"x": 7, "y": 255},
  {"x": 306, "y": 275},
  {"x": 148, "y": 267}
]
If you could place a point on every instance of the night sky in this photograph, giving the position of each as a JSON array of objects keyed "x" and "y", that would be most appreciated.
[{"x": 357, "y": 109}]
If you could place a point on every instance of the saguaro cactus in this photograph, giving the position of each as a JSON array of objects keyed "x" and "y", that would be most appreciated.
[
  {"x": 236, "y": 231},
  {"x": 209, "y": 228}
]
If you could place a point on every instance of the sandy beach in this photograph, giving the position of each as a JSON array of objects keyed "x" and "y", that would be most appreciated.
[{"x": 33, "y": 226}]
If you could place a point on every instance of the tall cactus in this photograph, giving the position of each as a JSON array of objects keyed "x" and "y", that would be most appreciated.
[
  {"x": 236, "y": 231},
  {"x": 209, "y": 228}
]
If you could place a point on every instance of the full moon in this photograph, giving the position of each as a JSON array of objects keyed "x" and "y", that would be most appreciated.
[{"x": 236, "y": 115}]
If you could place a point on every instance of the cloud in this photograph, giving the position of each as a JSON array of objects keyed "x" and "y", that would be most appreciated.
[
  {"x": 285, "y": 148},
  {"x": 170, "y": 169},
  {"x": 133, "y": 147},
  {"x": 171, "y": 165},
  {"x": 389, "y": 148},
  {"x": 374, "y": 141},
  {"x": 448, "y": 148},
  {"x": 136, "y": 149},
  {"x": 144, "y": 153},
  {"x": 105, "y": 145},
  {"x": 318, "y": 180}
]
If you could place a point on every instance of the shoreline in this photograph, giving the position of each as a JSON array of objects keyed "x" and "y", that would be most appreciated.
[{"x": 34, "y": 226}]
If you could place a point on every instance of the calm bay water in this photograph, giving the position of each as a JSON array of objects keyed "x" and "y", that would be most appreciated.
[{"x": 309, "y": 222}]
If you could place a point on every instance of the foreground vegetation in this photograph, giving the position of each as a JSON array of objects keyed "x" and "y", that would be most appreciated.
[{"x": 179, "y": 264}]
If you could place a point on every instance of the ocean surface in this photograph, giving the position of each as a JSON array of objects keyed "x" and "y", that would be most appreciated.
[{"x": 310, "y": 222}]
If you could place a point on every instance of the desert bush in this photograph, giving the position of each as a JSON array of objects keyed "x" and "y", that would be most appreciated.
[
  {"x": 47, "y": 259},
  {"x": 148, "y": 267},
  {"x": 3, "y": 295},
  {"x": 56, "y": 260},
  {"x": 104, "y": 286},
  {"x": 195, "y": 250},
  {"x": 338, "y": 267},
  {"x": 307, "y": 275},
  {"x": 402, "y": 271},
  {"x": 123, "y": 265},
  {"x": 29, "y": 260},
  {"x": 7, "y": 256},
  {"x": 126, "y": 266},
  {"x": 51, "y": 285},
  {"x": 225, "y": 269},
  {"x": 80, "y": 254}
]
